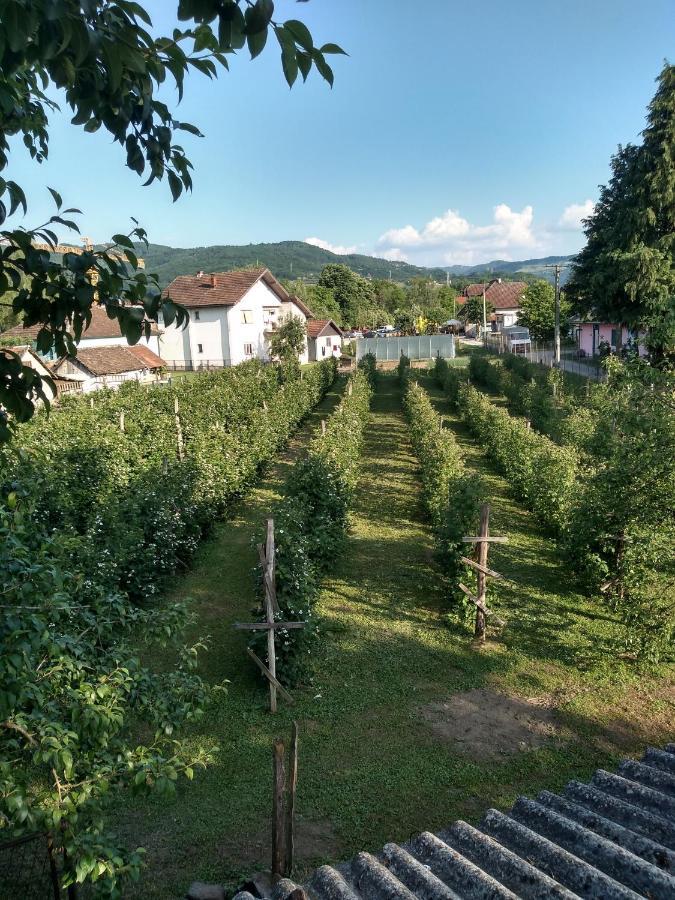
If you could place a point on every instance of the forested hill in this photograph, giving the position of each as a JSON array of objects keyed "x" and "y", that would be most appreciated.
[{"x": 296, "y": 259}]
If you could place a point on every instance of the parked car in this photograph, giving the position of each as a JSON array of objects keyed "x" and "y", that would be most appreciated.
[{"x": 370, "y": 334}]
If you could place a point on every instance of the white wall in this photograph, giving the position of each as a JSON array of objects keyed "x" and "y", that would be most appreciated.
[
  {"x": 223, "y": 333},
  {"x": 209, "y": 332},
  {"x": 153, "y": 342},
  {"x": 262, "y": 307},
  {"x": 325, "y": 346}
]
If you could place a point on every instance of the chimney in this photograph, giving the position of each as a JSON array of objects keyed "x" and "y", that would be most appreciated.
[
  {"x": 213, "y": 280},
  {"x": 200, "y": 274}
]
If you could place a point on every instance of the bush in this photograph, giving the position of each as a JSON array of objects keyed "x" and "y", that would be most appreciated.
[
  {"x": 311, "y": 525},
  {"x": 82, "y": 718},
  {"x": 368, "y": 365},
  {"x": 451, "y": 501},
  {"x": 109, "y": 486},
  {"x": 540, "y": 472},
  {"x": 449, "y": 378},
  {"x": 483, "y": 372},
  {"x": 403, "y": 369}
]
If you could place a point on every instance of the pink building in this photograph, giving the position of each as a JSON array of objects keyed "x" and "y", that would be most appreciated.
[{"x": 590, "y": 335}]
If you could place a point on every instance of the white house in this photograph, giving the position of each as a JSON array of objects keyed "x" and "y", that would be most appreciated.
[
  {"x": 324, "y": 339},
  {"x": 232, "y": 316},
  {"x": 30, "y": 358},
  {"x": 503, "y": 297},
  {"x": 102, "y": 332},
  {"x": 94, "y": 368}
]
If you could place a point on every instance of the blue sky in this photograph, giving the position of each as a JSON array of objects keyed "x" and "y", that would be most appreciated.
[{"x": 456, "y": 132}]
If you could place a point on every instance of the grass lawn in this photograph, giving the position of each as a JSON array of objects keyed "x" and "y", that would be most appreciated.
[{"x": 372, "y": 768}]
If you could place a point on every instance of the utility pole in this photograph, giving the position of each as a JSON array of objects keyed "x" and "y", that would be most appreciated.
[{"x": 556, "y": 331}]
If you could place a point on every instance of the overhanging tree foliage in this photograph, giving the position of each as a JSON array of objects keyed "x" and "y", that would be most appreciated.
[
  {"x": 626, "y": 272},
  {"x": 104, "y": 58}
]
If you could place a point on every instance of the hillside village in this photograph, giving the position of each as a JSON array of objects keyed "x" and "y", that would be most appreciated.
[{"x": 339, "y": 568}]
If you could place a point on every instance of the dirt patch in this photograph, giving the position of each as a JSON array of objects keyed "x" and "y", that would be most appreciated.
[
  {"x": 484, "y": 724},
  {"x": 315, "y": 839}
]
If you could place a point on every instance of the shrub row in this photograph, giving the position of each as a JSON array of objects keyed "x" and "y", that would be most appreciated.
[
  {"x": 451, "y": 499},
  {"x": 449, "y": 378},
  {"x": 368, "y": 365},
  {"x": 141, "y": 509},
  {"x": 403, "y": 370},
  {"x": 540, "y": 472},
  {"x": 311, "y": 525}
]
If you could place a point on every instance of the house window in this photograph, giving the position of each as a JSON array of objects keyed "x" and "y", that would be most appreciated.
[
  {"x": 323, "y": 351},
  {"x": 248, "y": 349},
  {"x": 247, "y": 317},
  {"x": 196, "y": 315},
  {"x": 200, "y": 348}
]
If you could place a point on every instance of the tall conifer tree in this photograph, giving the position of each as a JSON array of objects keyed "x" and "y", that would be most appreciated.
[{"x": 626, "y": 272}]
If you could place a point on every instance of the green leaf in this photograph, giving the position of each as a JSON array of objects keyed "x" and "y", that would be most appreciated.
[
  {"x": 289, "y": 62},
  {"x": 256, "y": 42},
  {"x": 300, "y": 33},
  {"x": 333, "y": 48},
  {"x": 176, "y": 185},
  {"x": 304, "y": 63},
  {"x": 324, "y": 69},
  {"x": 57, "y": 197}
]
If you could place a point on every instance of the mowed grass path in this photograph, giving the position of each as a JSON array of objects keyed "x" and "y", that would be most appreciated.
[{"x": 370, "y": 769}]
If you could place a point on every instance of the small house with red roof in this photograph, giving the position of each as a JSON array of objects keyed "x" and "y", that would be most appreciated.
[
  {"x": 324, "y": 339},
  {"x": 232, "y": 317},
  {"x": 502, "y": 299}
]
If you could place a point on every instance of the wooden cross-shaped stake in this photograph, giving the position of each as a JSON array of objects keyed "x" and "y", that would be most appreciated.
[
  {"x": 483, "y": 540},
  {"x": 266, "y": 555}
]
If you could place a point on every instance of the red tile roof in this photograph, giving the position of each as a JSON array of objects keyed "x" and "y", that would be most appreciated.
[
  {"x": 149, "y": 359},
  {"x": 221, "y": 288},
  {"x": 506, "y": 294},
  {"x": 500, "y": 294},
  {"x": 115, "y": 360},
  {"x": 317, "y": 327},
  {"x": 100, "y": 327},
  {"x": 473, "y": 290}
]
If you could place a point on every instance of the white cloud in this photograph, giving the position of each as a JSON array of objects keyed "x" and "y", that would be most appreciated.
[
  {"x": 394, "y": 254},
  {"x": 571, "y": 219},
  {"x": 455, "y": 240},
  {"x": 333, "y": 248}
]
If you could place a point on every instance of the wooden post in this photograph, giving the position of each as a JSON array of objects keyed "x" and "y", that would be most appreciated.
[
  {"x": 278, "y": 810},
  {"x": 323, "y": 426},
  {"x": 482, "y": 554},
  {"x": 91, "y": 402},
  {"x": 269, "y": 615},
  {"x": 440, "y": 423},
  {"x": 179, "y": 430},
  {"x": 122, "y": 421},
  {"x": 350, "y": 387},
  {"x": 290, "y": 802}
]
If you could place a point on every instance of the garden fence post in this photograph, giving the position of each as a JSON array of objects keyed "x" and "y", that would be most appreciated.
[
  {"x": 482, "y": 553},
  {"x": 179, "y": 430},
  {"x": 278, "y": 810},
  {"x": 290, "y": 801},
  {"x": 122, "y": 421}
]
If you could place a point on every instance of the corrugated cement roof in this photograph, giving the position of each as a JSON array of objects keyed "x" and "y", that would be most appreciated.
[{"x": 612, "y": 838}]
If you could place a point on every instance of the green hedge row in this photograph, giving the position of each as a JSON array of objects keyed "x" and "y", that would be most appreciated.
[
  {"x": 451, "y": 499},
  {"x": 140, "y": 508},
  {"x": 311, "y": 525},
  {"x": 540, "y": 472},
  {"x": 449, "y": 378},
  {"x": 368, "y": 365}
]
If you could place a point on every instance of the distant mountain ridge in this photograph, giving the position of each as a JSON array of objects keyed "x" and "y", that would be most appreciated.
[{"x": 297, "y": 259}]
